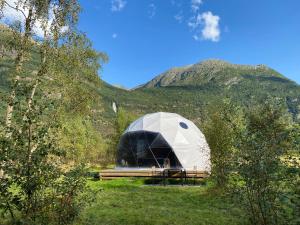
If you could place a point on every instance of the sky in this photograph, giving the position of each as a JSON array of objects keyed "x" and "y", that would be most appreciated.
[{"x": 144, "y": 38}]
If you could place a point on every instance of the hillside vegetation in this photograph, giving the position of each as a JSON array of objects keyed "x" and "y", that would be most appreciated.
[
  {"x": 189, "y": 90},
  {"x": 185, "y": 90}
]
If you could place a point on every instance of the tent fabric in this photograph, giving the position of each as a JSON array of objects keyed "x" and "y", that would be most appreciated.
[
  {"x": 142, "y": 149},
  {"x": 162, "y": 134}
]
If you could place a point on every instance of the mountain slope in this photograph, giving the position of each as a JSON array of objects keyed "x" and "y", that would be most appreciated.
[
  {"x": 184, "y": 90},
  {"x": 188, "y": 90},
  {"x": 202, "y": 83},
  {"x": 214, "y": 71}
]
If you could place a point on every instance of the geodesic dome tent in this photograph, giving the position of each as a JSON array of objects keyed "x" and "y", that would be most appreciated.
[{"x": 163, "y": 140}]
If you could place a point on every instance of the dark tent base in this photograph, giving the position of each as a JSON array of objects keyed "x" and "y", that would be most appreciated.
[{"x": 143, "y": 149}]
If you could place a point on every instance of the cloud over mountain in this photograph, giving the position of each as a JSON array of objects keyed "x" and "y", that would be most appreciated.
[{"x": 206, "y": 26}]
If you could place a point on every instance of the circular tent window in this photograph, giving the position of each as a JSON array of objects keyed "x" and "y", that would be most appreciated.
[{"x": 183, "y": 125}]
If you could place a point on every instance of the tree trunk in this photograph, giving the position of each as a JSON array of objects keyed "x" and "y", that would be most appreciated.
[
  {"x": 42, "y": 71},
  {"x": 19, "y": 65},
  {"x": 11, "y": 100}
]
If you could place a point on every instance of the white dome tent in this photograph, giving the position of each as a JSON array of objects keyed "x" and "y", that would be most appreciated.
[{"x": 163, "y": 140}]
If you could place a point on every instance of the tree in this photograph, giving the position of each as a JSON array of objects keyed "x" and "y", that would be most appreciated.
[
  {"x": 222, "y": 130},
  {"x": 265, "y": 140},
  {"x": 83, "y": 143},
  {"x": 35, "y": 187},
  {"x": 292, "y": 185},
  {"x": 123, "y": 120},
  {"x": 50, "y": 18}
]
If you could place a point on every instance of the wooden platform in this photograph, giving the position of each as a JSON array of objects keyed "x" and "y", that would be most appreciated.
[{"x": 154, "y": 173}]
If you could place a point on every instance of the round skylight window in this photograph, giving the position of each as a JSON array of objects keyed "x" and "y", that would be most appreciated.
[{"x": 183, "y": 125}]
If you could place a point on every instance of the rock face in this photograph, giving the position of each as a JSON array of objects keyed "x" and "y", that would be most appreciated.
[{"x": 212, "y": 71}]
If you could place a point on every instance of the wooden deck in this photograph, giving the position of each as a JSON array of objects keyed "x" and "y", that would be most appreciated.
[{"x": 154, "y": 173}]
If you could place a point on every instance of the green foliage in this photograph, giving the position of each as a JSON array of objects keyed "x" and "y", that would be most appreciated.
[
  {"x": 82, "y": 141},
  {"x": 292, "y": 161},
  {"x": 84, "y": 94},
  {"x": 36, "y": 186},
  {"x": 33, "y": 184},
  {"x": 72, "y": 196},
  {"x": 263, "y": 176},
  {"x": 218, "y": 72},
  {"x": 191, "y": 101},
  {"x": 222, "y": 130},
  {"x": 123, "y": 120}
]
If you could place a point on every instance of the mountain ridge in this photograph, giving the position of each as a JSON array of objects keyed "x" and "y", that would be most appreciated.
[
  {"x": 210, "y": 70},
  {"x": 186, "y": 90},
  {"x": 246, "y": 85}
]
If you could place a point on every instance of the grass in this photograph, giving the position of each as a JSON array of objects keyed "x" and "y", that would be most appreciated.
[{"x": 129, "y": 201}]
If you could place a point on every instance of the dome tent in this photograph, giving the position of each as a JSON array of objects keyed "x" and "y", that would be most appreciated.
[{"x": 163, "y": 140}]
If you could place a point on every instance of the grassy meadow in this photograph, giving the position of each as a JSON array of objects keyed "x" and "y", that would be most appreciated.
[{"x": 130, "y": 201}]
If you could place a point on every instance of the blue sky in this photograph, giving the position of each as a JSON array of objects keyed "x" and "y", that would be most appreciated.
[{"x": 146, "y": 37}]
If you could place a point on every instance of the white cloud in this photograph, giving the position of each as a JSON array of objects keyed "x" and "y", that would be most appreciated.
[
  {"x": 179, "y": 17},
  {"x": 117, "y": 5},
  {"x": 152, "y": 10},
  {"x": 195, "y": 5},
  {"x": 196, "y": 37},
  {"x": 12, "y": 15},
  {"x": 203, "y": 25},
  {"x": 206, "y": 26},
  {"x": 195, "y": 21},
  {"x": 211, "y": 30},
  {"x": 114, "y": 36}
]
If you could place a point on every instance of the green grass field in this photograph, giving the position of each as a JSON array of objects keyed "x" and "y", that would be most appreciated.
[{"x": 129, "y": 201}]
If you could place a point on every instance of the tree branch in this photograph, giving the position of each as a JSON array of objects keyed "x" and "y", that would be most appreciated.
[{"x": 15, "y": 8}]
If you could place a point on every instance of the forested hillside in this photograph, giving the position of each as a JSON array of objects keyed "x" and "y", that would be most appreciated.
[{"x": 188, "y": 91}]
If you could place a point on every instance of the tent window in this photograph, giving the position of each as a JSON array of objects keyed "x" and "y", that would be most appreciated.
[
  {"x": 183, "y": 125},
  {"x": 145, "y": 149}
]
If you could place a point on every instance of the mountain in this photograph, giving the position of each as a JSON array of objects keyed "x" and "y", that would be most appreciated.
[
  {"x": 185, "y": 90},
  {"x": 216, "y": 72},
  {"x": 188, "y": 90}
]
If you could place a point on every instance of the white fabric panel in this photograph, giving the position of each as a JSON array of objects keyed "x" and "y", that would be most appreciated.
[{"x": 189, "y": 144}]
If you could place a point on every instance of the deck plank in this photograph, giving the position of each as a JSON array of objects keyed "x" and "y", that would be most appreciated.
[{"x": 152, "y": 173}]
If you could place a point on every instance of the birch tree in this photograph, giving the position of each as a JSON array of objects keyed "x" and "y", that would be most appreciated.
[
  {"x": 44, "y": 21},
  {"x": 266, "y": 140},
  {"x": 50, "y": 50}
]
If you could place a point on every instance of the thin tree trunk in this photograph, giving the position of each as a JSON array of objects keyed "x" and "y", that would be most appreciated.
[
  {"x": 28, "y": 173},
  {"x": 10, "y": 211},
  {"x": 30, "y": 99},
  {"x": 41, "y": 72},
  {"x": 250, "y": 202},
  {"x": 11, "y": 101},
  {"x": 19, "y": 65}
]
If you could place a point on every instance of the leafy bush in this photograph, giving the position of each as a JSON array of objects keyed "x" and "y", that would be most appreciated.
[
  {"x": 222, "y": 130},
  {"x": 266, "y": 139}
]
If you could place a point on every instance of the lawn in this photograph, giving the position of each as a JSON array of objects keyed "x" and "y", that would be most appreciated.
[{"x": 130, "y": 201}]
